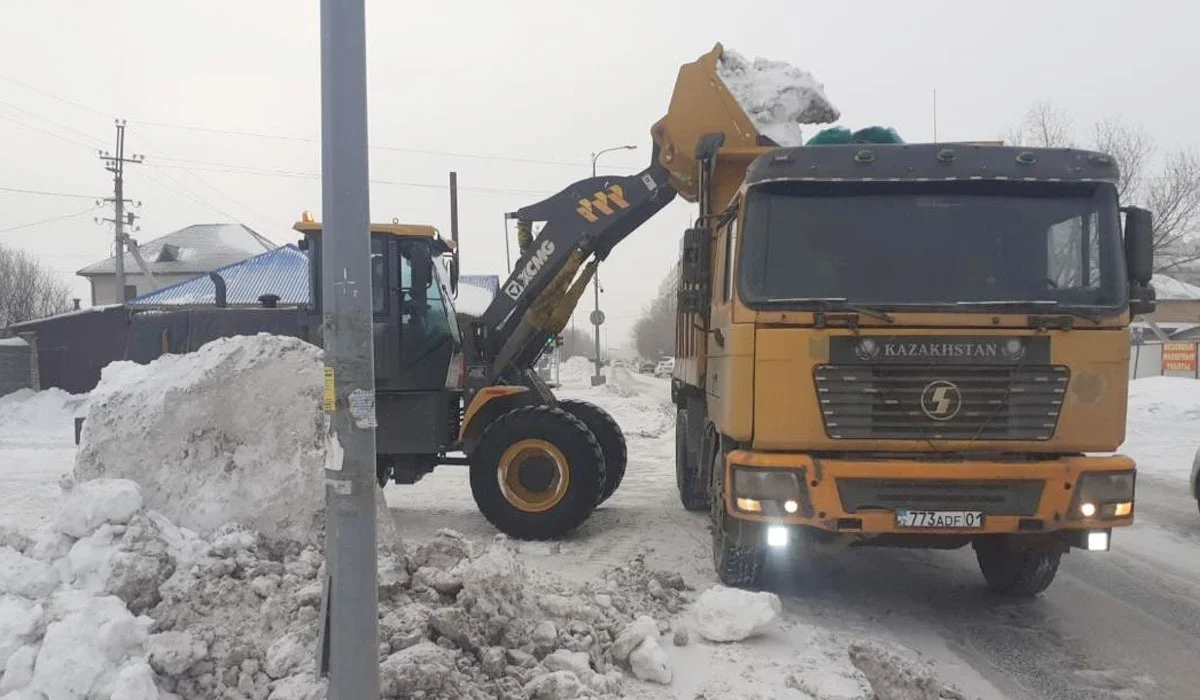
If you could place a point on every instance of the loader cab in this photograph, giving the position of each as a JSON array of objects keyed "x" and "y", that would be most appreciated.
[{"x": 413, "y": 284}]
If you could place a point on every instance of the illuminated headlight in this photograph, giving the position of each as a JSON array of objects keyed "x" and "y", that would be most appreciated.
[
  {"x": 1097, "y": 541},
  {"x": 1103, "y": 495},
  {"x": 777, "y": 536}
]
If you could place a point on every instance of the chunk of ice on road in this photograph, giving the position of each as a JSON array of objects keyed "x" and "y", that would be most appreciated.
[
  {"x": 777, "y": 96},
  {"x": 731, "y": 614}
]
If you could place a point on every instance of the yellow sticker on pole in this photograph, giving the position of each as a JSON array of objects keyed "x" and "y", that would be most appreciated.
[{"x": 330, "y": 391}]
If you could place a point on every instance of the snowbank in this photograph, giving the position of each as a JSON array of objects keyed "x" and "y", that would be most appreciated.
[
  {"x": 1162, "y": 430},
  {"x": 40, "y": 416},
  {"x": 777, "y": 96},
  {"x": 231, "y": 433},
  {"x": 1168, "y": 288}
]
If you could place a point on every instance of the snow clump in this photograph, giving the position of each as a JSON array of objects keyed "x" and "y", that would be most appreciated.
[
  {"x": 731, "y": 614},
  {"x": 777, "y": 96}
]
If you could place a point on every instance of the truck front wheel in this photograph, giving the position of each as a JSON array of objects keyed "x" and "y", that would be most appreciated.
[
  {"x": 537, "y": 472},
  {"x": 1012, "y": 570},
  {"x": 738, "y": 565}
]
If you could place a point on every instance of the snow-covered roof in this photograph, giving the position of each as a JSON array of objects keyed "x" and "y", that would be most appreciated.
[
  {"x": 282, "y": 272},
  {"x": 1170, "y": 289},
  {"x": 13, "y": 343},
  {"x": 195, "y": 249}
]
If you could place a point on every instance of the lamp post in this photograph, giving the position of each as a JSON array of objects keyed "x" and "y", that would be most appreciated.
[{"x": 597, "y": 317}]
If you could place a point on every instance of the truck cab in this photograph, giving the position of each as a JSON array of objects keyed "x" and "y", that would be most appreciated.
[{"x": 914, "y": 345}]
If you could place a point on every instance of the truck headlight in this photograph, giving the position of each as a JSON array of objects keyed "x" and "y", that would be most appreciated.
[
  {"x": 1103, "y": 495},
  {"x": 769, "y": 491}
]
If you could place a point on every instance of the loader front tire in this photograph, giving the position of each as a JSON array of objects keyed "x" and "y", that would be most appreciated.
[
  {"x": 612, "y": 441},
  {"x": 537, "y": 472}
]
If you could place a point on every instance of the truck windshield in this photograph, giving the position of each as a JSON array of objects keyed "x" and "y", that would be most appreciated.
[{"x": 961, "y": 245}]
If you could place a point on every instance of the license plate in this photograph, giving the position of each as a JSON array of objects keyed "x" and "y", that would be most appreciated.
[{"x": 940, "y": 519}]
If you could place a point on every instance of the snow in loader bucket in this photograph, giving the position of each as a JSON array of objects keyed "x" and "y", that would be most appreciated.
[{"x": 776, "y": 96}]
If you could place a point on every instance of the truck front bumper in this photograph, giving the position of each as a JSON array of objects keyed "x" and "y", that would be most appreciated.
[{"x": 908, "y": 496}]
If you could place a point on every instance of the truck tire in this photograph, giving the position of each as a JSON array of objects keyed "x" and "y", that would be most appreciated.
[
  {"x": 612, "y": 441},
  {"x": 537, "y": 472},
  {"x": 737, "y": 565},
  {"x": 693, "y": 493},
  {"x": 1012, "y": 571}
]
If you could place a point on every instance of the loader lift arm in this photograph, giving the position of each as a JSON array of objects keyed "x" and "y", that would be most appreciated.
[{"x": 585, "y": 220}]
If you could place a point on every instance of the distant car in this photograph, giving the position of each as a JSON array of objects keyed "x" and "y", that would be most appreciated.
[
  {"x": 645, "y": 367},
  {"x": 1196, "y": 477},
  {"x": 665, "y": 367}
]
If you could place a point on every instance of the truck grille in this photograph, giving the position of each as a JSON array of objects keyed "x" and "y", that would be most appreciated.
[
  {"x": 948, "y": 402},
  {"x": 992, "y": 497}
]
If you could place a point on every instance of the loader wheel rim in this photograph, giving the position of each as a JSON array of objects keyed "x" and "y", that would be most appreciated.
[{"x": 534, "y": 475}]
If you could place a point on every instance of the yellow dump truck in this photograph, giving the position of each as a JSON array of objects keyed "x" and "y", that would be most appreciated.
[{"x": 916, "y": 345}]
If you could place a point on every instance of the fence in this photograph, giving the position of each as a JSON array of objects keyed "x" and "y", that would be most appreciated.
[{"x": 1171, "y": 359}]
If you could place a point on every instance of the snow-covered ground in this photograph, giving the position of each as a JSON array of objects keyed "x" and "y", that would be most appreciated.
[{"x": 139, "y": 604}]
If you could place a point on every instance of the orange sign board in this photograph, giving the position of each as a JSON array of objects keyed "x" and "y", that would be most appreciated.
[{"x": 1179, "y": 357}]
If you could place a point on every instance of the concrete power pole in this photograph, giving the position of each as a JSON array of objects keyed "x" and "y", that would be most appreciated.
[
  {"x": 115, "y": 164},
  {"x": 349, "y": 646}
]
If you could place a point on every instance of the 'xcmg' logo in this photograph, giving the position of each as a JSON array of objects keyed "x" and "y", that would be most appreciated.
[
  {"x": 525, "y": 275},
  {"x": 602, "y": 202},
  {"x": 941, "y": 400}
]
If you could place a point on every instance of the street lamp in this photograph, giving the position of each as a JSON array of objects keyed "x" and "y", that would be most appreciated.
[{"x": 597, "y": 317}]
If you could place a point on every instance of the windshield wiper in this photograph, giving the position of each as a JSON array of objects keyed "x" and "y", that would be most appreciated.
[
  {"x": 1034, "y": 302},
  {"x": 836, "y": 303}
]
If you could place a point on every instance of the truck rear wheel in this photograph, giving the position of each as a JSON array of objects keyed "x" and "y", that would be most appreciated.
[
  {"x": 537, "y": 472},
  {"x": 693, "y": 493},
  {"x": 1010, "y": 570},
  {"x": 612, "y": 441},
  {"x": 737, "y": 565}
]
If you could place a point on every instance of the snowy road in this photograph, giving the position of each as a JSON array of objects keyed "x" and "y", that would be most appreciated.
[{"x": 1125, "y": 624}]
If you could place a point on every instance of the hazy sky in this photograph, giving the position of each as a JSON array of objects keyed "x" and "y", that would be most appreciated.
[{"x": 515, "y": 96}]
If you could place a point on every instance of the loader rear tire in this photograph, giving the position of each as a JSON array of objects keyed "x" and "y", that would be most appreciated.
[
  {"x": 1012, "y": 571},
  {"x": 612, "y": 441},
  {"x": 537, "y": 472}
]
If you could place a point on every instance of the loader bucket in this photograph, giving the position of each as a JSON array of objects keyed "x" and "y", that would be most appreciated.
[{"x": 776, "y": 95}]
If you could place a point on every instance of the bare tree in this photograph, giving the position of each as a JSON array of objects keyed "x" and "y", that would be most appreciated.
[
  {"x": 28, "y": 290},
  {"x": 1171, "y": 191},
  {"x": 654, "y": 331},
  {"x": 1043, "y": 126}
]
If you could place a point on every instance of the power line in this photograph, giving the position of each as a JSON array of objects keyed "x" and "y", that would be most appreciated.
[
  {"x": 48, "y": 120},
  {"x": 48, "y": 194},
  {"x": 377, "y": 147},
  {"x": 55, "y": 97},
  {"x": 47, "y": 221},
  {"x": 46, "y": 132}
]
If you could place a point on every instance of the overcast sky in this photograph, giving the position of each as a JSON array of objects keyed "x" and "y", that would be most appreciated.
[{"x": 515, "y": 96}]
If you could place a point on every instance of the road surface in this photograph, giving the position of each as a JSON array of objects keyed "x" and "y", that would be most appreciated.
[{"x": 1118, "y": 625}]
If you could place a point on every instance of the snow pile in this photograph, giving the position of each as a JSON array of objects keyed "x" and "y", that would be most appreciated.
[
  {"x": 1170, "y": 289},
  {"x": 777, "y": 96},
  {"x": 42, "y": 416},
  {"x": 1162, "y": 425},
  {"x": 731, "y": 615},
  {"x": 232, "y": 432},
  {"x": 115, "y": 601},
  {"x": 640, "y": 414}
]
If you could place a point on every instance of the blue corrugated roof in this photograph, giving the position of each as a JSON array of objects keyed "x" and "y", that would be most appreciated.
[{"x": 283, "y": 272}]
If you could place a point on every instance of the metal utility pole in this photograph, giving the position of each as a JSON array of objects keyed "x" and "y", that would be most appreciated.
[
  {"x": 115, "y": 164},
  {"x": 597, "y": 316},
  {"x": 349, "y": 645}
]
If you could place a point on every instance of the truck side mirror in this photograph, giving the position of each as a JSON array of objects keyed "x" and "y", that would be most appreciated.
[
  {"x": 1139, "y": 244},
  {"x": 694, "y": 273},
  {"x": 1139, "y": 259}
]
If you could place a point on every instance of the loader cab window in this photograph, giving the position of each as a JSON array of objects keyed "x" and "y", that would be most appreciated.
[
  {"x": 426, "y": 319},
  {"x": 379, "y": 275}
]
